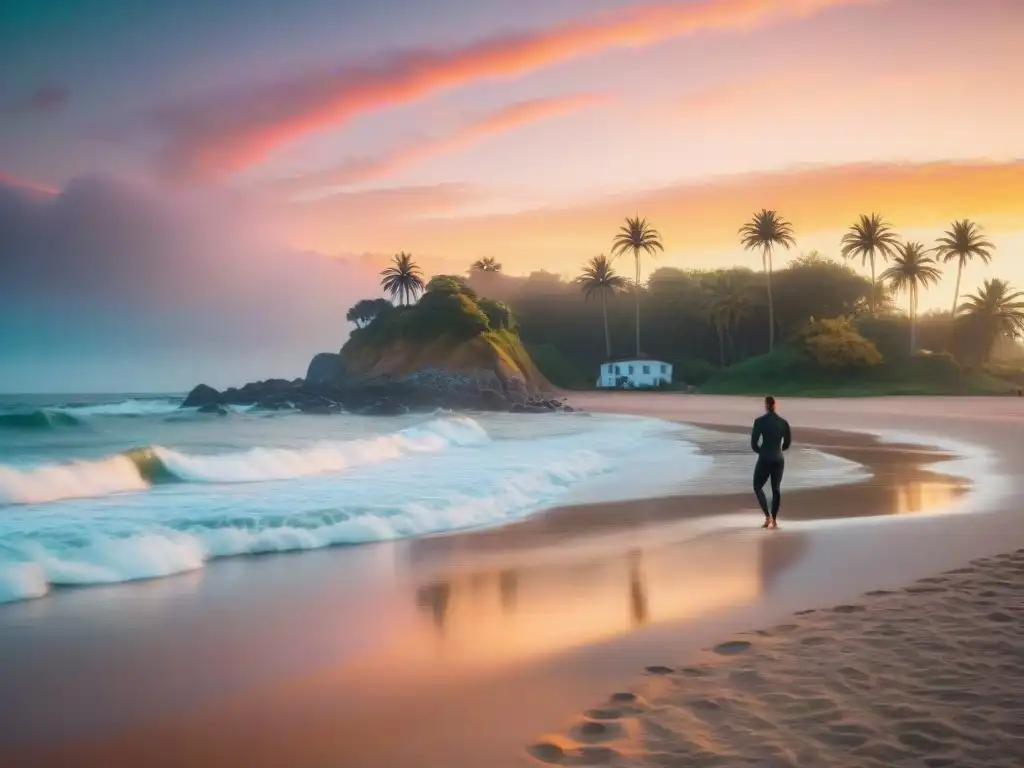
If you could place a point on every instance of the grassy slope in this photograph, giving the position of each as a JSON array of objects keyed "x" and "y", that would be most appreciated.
[
  {"x": 500, "y": 351},
  {"x": 785, "y": 374}
]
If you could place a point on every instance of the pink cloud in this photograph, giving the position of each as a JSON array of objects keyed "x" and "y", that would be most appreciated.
[
  {"x": 503, "y": 120},
  {"x": 231, "y": 131}
]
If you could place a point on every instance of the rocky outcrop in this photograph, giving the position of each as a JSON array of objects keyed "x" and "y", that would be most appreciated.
[
  {"x": 201, "y": 396},
  {"x": 491, "y": 371},
  {"x": 382, "y": 395},
  {"x": 325, "y": 368}
]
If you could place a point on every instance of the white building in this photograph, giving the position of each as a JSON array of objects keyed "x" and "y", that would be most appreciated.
[{"x": 634, "y": 374}]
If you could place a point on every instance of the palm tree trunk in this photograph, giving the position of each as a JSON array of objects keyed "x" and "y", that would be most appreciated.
[
  {"x": 956, "y": 299},
  {"x": 636, "y": 255},
  {"x": 607, "y": 333},
  {"x": 874, "y": 288},
  {"x": 771, "y": 303},
  {"x": 913, "y": 318}
]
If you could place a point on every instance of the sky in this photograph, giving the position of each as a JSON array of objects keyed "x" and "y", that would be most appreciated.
[{"x": 198, "y": 191}]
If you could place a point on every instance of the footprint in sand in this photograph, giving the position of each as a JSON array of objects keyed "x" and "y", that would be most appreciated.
[
  {"x": 547, "y": 752},
  {"x": 848, "y": 609},
  {"x": 658, "y": 669},
  {"x": 732, "y": 648},
  {"x": 591, "y": 732}
]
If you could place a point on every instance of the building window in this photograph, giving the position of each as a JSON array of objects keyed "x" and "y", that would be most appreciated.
[
  {"x": 664, "y": 369},
  {"x": 647, "y": 369},
  {"x": 631, "y": 370},
  {"x": 617, "y": 371}
]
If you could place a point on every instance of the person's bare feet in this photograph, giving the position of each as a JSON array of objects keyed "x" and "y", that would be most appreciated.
[
  {"x": 767, "y": 522},
  {"x": 774, "y": 525}
]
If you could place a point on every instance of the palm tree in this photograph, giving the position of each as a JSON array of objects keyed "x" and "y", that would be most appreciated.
[
  {"x": 726, "y": 303},
  {"x": 599, "y": 277},
  {"x": 912, "y": 269},
  {"x": 765, "y": 231},
  {"x": 487, "y": 264},
  {"x": 403, "y": 279},
  {"x": 867, "y": 238},
  {"x": 963, "y": 241},
  {"x": 638, "y": 236},
  {"x": 998, "y": 310}
]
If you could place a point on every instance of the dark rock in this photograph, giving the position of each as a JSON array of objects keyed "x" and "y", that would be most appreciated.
[
  {"x": 324, "y": 368},
  {"x": 568, "y": 409},
  {"x": 385, "y": 408},
  {"x": 200, "y": 396},
  {"x": 214, "y": 408}
]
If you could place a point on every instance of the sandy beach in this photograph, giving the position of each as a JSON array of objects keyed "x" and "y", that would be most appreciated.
[
  {"x": 928, "y": 675},
  {"x": 472, "y": 649}
]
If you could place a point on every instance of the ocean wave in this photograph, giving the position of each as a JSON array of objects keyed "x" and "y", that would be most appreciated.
[
  {"x": 40, "y": 419},
  {"x": 131, "y": 407},
  {"x": 138, "y": 469},
  {"x": 30, "y": 569}
]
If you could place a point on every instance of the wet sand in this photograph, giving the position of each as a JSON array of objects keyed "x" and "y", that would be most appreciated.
[
  {"x": 459, "y": 650},
  {"x": 926, "y": 675}
]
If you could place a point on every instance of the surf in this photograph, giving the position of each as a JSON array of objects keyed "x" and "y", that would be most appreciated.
[
  {"x": 41, "y": 419},
  {"x": 139, "y": 469}
]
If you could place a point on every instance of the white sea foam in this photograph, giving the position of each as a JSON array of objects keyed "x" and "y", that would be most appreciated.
[
  {"x": 261, "y": 464},
  {"x": 154, "y": 407},
  {"x": 71, "y": 480},
  {"x": 119, "y": 474}
]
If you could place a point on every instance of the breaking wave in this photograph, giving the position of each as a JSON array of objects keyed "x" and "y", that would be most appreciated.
[
  {"x": 41, "y": 419},
  {"x": 139, "y": 469}
]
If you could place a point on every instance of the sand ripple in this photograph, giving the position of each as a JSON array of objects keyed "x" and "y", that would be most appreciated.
[{"x": 930, "y": 675}]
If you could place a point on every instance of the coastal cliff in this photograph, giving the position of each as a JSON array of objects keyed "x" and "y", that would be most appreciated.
[{"x": 453, "y": 349}]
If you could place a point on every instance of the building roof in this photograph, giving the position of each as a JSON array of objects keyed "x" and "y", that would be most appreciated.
[{"x": 641, "y": 359}]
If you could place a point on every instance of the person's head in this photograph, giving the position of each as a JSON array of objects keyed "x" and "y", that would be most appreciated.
[{"x": 769, "y": 404}]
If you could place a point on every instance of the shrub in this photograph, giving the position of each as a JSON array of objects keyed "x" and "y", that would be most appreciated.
[
  {"x": 499, "y": 316},
  {"x": 937, "y": 366},
  {"x": 692, "y": 370},
  {"x": 450, "y": 284},
  {"x": 834, "y": 344},
  {"x": 441, "y": 313},
  {"x": 558, "y": 369}
]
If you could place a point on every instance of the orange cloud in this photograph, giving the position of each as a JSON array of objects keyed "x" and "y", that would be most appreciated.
[
  {"x": 703, "y": 217},
  {"x": 502, "y": 121},
  {"x": 232, "y": 131}
]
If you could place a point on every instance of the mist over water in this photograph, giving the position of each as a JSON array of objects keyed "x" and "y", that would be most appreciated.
[{"x": 130, "y": 488}]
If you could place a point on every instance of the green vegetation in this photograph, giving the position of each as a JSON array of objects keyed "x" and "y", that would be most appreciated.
[
  {"x": 766, "y": 231},
  {"x": 599, "y": 279},
  {"x": 636, "y": 236},
  {"x": 839, "y": 332},
  {"x": 403, "y": 279},
  {"x": 868, "y": 238}
]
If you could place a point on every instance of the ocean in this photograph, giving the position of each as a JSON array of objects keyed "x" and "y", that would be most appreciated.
[{"x": 102, "y": 489}]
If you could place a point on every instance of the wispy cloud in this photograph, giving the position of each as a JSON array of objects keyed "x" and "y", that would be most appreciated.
[
  {"x": 390, "y": 163},
  {"x": 26, "y": 185},
  {"x": 702, "y": 218},
  {"x": 230, "y": 131},
  {"x": 46, "y": 98}
]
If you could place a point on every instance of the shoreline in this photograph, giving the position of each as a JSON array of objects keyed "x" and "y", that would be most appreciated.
[{"x": 472, "y": 675}]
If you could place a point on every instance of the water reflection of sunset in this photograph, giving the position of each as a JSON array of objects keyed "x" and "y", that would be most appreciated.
[
  {"x": 915, "y": 496},
  {"x": 485, "y": 616}
]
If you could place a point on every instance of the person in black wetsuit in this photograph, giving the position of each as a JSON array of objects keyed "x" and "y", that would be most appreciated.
[{"x": 768, "y": 439}]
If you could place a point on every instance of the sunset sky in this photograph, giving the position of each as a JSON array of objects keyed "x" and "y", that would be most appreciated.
[{"x": 261, "y": 140}]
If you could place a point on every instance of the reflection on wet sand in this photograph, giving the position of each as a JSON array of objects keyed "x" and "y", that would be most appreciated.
[{"x": 497, "y": 614}]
